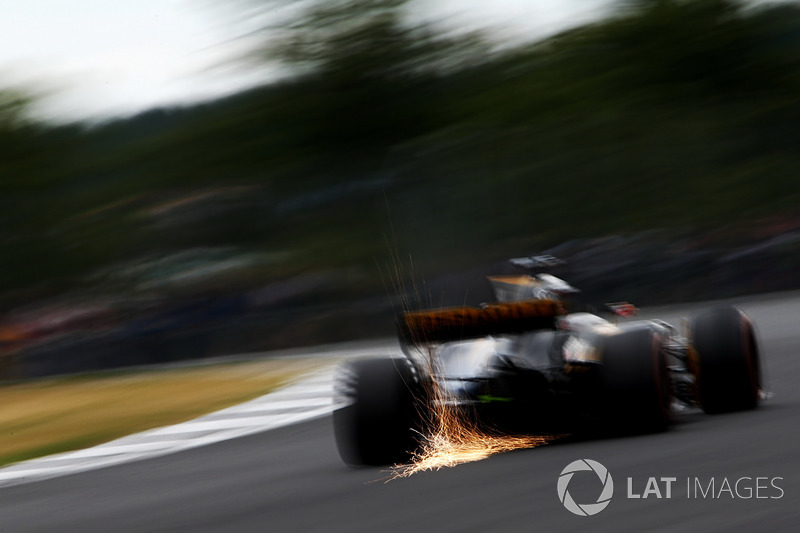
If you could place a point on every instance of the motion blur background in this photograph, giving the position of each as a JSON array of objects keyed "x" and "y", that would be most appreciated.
[{"x": 321, "y": 160}]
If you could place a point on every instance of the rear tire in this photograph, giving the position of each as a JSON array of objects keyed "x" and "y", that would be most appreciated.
[
  {"x": 635, "y": 382},
  {"x": 380, "y": 424},
  {"x": 725, "y": 361}
]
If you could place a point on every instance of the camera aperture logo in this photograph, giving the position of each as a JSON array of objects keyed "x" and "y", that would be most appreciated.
[{"x": 585, "y": 509}]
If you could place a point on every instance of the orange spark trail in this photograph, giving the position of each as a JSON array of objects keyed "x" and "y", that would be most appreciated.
[
  {"x": 441, "y": 452},
  {"x": 454, "y": 439}
]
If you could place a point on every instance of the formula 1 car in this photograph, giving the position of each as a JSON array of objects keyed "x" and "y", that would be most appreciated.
[{"x": 525, "y": 365}]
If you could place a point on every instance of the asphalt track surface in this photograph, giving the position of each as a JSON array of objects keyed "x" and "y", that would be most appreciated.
[{"x": 291, "y": 479}]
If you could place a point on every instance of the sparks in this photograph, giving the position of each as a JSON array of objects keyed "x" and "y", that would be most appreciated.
[
  {"x": 441, "y": 452},
  {"x": 454, "y": 439}
]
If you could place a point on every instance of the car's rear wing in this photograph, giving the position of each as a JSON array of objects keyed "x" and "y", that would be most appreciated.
[{"x": 435, "y": 326}]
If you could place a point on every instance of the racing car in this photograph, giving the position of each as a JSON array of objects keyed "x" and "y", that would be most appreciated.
[{"x": 531, "y": 364}]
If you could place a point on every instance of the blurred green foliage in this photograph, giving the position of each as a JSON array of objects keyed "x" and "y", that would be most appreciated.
[{"x": 669, "y": 113}]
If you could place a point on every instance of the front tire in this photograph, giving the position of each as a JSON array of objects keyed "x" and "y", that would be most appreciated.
[
  {"x": 725, "y": 361},
  {"x": 380, "y": 423}
]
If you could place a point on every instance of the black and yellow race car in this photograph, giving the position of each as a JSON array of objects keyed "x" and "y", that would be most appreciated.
[{"x": 527, "y": 365}]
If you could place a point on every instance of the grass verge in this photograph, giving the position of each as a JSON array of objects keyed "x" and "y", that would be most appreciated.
[{"x": 54, "y": 415}]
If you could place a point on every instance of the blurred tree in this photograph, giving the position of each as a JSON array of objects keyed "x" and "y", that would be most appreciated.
[
  {"x": 370, "y": 70},
  {"x": 697, "y": 98},
  {"x": 18, "y": 139},
  {"x": 709, "y": 44}
]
